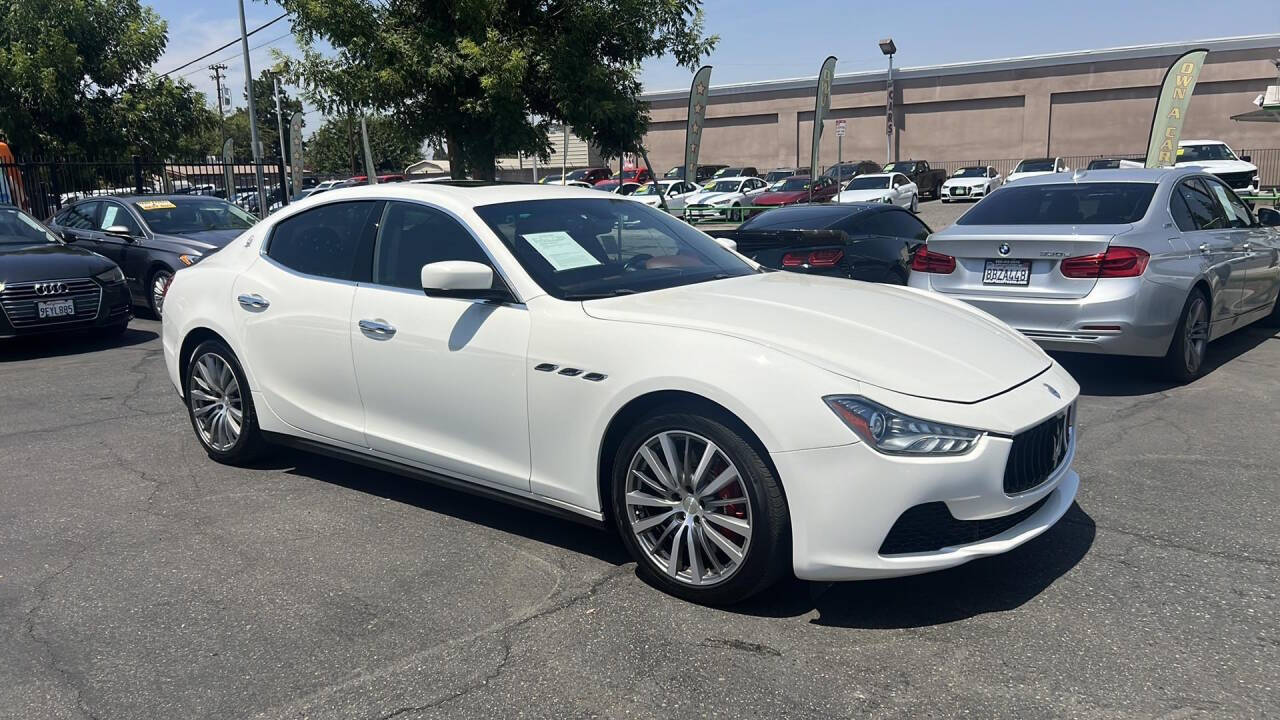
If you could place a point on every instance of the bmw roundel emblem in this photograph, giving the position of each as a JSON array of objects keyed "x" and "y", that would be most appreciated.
[
  {"x": 1052, "y": 390},
  {"x": 1005, "y": 249}
]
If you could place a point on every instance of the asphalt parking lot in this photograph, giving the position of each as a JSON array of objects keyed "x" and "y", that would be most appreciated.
[{"x": 138, "y": 579}]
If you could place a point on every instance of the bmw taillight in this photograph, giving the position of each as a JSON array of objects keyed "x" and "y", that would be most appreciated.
[
  {"x": 815, "y": 259},
  {"x": 927, "y": 261},
  {"x": 1116, "y": 262}
]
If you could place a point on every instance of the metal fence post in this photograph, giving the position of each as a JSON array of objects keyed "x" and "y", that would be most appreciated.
[
  {"x": 284, "y": 188},
  {"x": 137, "y": 174}
]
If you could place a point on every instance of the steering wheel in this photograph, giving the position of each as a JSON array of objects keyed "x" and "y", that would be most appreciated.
[{"x": 637, "y": 262}]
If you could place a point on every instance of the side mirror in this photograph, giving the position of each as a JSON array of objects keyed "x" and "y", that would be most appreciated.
[
  {"x": 461, "y": 279},
  {"x": 1269, "y": 217},
  {"x": 67, "y": 236},
  {"x": 727, "y": 244},
  {"x": 119, "y": 231},
  {"x": 1247, "y": 158}
]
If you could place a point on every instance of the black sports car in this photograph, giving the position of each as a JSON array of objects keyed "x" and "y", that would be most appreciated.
[
  {"x": 152, "y": 236},
  {"x": 48, "y": 286},
  {"x": 860, "y": 241}
]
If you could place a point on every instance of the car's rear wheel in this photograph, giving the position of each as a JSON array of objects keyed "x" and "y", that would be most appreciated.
[
  {"x": 221, "y": 406},
  {"x": 1184, "y": 361},
  {"x": 157, "y": 288},
  {"x": 699, "y": 508},
  {"x": 915, "y": 203}
]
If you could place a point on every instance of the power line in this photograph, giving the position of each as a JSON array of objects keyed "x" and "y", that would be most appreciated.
[
  {"x": 224, "y": 47},
  {"x": 232, "y": 57}
]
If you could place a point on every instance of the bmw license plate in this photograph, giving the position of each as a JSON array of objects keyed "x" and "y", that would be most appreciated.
[
  {"x": 1007, "y": 272},
  {"x": 55, "y": 308}
]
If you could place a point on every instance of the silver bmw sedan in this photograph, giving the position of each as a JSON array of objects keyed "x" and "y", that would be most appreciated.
[{"x": 1148, "y": 262}]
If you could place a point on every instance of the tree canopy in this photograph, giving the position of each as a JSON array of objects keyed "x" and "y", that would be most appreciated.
[
  {"x": 335, "y": 147},
  {"x": 489, "y": 77},
  {"x": 75, "y": 79}
]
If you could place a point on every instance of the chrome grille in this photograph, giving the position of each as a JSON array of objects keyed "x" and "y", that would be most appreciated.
[
  {"x": 1037, "y": 453},
  {"x": 19, "y": 301}
]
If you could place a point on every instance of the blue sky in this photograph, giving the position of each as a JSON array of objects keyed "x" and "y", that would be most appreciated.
[{"x": 768, "y": 39}]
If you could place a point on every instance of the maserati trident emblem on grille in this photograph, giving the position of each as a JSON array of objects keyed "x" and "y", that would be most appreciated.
[
  {"x": 1052, "y": 391},
  {"x": 1005, "y": 249},
  {"x": 52, "y": 288}
]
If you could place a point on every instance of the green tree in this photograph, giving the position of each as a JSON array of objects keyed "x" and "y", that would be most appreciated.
[
  {"x": 335, "y": 147},
  {"x": 264, "y": 106},
  {"x": 489, "y": 77},
  {"x": 75, "y": 79}
]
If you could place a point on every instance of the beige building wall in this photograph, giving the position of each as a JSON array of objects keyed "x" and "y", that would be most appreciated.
[{"x": 1086, "y": 103}]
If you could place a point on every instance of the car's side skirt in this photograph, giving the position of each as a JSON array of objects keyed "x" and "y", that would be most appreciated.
[{"x": 416, "y": 473}]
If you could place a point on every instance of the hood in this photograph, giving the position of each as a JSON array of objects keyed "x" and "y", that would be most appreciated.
[
  {"x": 710, "y": 198},
  {"x": 1222, "y": 166},
  {"x": 897, "y": 338},
  {"x": 967, "y": 182},
  {"x": 782, "y": 198},
  {"x": 203, "y": 242},
  {"x": 863, "y": 195},
  {"x": 48, "y": 261},
  {"x": 650, "y": 200}
]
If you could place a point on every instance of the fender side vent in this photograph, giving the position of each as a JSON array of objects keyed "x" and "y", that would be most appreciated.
[
  {"x": 571, "y": 372},
  {"x": 545, "y": 367},
  {"x": 594, "y": 376}
]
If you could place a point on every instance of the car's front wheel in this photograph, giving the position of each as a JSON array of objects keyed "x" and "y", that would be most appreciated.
[
  {"x": 221, "y": 406},
  {"x": 699, "y": 508},
  {"x": 157, "y": 288}
]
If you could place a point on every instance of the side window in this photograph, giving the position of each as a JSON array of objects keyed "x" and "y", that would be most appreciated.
[
  {"x": 903, "y": 225},
  {"x": 1238, "y": 215},
  {"x": 991, "y": 172},
  {"x": 411, "y": 236},
  {"x": 331, "y": 241},
  {"x": 1206, "y": 214},
  {"x": 1180, "y": 212},
  {"x": 81, "y": 216},
  {"x": 116, "y": 214}
]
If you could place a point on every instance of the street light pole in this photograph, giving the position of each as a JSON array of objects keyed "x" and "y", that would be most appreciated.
[
  {"x": 253, "y": 118},
  {"x": 888, "y": 47},
  {"x": 285, "y": 192}
]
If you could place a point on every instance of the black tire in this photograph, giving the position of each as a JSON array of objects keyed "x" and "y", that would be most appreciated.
[
  {"x": 249, "y": 445},
  {"x": 1184, "y": 361},
  {"x": 768, "y": 551},
  {"x": 157, "y": 306}
]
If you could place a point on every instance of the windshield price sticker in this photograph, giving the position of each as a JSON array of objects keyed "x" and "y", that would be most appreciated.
[
  {"x": 156, "y": 205},
  {"x": 561, "y": 250}
]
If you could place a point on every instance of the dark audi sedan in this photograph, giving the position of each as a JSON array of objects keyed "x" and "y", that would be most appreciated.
[
  {"x": 48, "y": 286},
  {"x": 152, "y": 236}
]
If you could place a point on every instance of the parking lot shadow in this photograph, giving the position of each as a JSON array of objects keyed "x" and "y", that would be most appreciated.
[
  {"x": 1110, "y": 375},
  {"x": 58, "y": 345},
  {"x": 489, "y": 513},
  {"x": 994, "y": 584}
]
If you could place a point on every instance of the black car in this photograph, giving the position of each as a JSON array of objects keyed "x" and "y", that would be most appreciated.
[
  {"x": 702, "y": 173},
  {"x": 152, "y": 236},
  {"x": 859, "y": 241},
  {"x": 845, "y": 171},
  {"x": 49, "y": 286}
]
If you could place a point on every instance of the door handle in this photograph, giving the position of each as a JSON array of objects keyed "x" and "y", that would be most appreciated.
[
  {"x": 1248, "y": 246},
  {"x": 1204, "y": 248},
  {"x": 377, "y": 327},
  {"x": 253, "y": 302}
]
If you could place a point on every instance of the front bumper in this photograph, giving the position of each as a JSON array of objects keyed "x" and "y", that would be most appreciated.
[
  {"x": 114, "y": 308},
  {"x": 1120, "y": 316},
  {"x": 845, "y": 500}
]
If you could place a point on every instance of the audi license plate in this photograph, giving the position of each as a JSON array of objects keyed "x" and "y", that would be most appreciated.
[
  {"x": 55, "y": 308},
  {"x": 1007, "y": 272}
]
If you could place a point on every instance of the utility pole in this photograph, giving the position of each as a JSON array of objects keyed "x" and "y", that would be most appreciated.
[
  {"x": 564, "y": 155},
  {"x": 253, "y": 118},
  {"x": 285, "y": 191},
  {"x": 218, "y": 69}
]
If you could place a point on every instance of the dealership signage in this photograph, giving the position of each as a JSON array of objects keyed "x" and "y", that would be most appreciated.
[
  {"x": 697, "y": 115},
  {"x": 822, "y": 104},
  {"x": 1171, "y": 108}
]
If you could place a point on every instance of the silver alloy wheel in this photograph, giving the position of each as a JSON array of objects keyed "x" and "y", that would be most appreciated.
[
  {"x": 688, "y": 507},
  {"x": 215, "y": 401},
  {"x": 1197, "y": 334},
  {"x": 159, "y": 288}
]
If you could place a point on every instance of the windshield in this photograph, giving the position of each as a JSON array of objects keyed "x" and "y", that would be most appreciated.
[
  {"x": 586, "y": 248},
  {"x": 1063, "y": 204},
  {"x": 775, "y": 175},
  {"x": 971, "y": 172},
  {"x": 649, "y": 189},
  {"x": 868, "y": 183},
  {"x": 1035, "y": 166},
  {"x": 19, "y": 228},
  {"x": 794, "y": 183},
  {"x": 176, "y": 216},
  {"x": 1202, "y": 153},
  {"x": 902, "y": 167},
  {"x": 727, "y": 172},
  {"x": 723, "y": 186}
]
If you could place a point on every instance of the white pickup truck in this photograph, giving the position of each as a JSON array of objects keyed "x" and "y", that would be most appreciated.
[{"x": 1217, "y": 158}]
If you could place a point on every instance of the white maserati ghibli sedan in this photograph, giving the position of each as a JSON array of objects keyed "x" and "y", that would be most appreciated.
[{"x": 589, "y": 356}]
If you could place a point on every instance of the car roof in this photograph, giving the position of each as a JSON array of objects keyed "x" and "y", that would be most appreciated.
[
  {"x": 891, "y": 173},
  {"x": 1150, "y": 175},
  {"x": 134, "y": 197},
  {"x": 459, "y": 196},
  {"x": 724, "y": 178},
  {"x": 1200, "y": 142},
  {"x": 833, "y": 212}
]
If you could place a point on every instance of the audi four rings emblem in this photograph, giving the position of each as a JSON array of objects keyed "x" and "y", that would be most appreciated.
[
  {"x": 1005, "y": 249},
  {"x": 53, "y": 288}
]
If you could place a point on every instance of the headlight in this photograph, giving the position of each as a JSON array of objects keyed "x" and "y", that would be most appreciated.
[
  {"x": 110, "y": 276},
  {"x": 897, "y": 434},
  {"x": 189, "y": 260}
]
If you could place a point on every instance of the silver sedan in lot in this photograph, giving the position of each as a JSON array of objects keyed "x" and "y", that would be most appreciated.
[{"x": 1154, "y": 263}]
